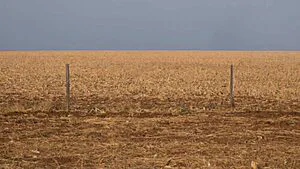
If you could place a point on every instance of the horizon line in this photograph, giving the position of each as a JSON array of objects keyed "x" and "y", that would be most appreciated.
[{"x": 249, "y": 50}]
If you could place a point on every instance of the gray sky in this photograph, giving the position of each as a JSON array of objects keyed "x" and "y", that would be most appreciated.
[{"x": 150, "y": 24}]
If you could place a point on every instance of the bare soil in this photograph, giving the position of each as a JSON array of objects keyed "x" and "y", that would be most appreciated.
[{"x": 150, "y": 140}]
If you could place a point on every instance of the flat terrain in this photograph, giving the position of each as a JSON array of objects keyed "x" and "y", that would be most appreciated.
[{"x": 150, "y": 109}]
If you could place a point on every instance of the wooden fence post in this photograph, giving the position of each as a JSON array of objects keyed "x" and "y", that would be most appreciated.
[
  {"x": 68, "y": 86},
  {"x": 231, "y": 86}
]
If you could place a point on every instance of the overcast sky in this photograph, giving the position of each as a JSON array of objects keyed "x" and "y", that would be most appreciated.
[{"x": 150, "y": 24}]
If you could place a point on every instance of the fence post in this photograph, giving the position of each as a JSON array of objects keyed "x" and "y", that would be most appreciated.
[
  {"x": 231, "y": 86},
  {"x": 68, "y": 86}
]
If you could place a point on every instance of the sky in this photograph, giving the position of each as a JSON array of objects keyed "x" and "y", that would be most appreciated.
[{"x": 150, "y": 25}]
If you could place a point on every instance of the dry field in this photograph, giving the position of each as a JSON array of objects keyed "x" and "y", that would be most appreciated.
[{"x": 150, "y": 109}]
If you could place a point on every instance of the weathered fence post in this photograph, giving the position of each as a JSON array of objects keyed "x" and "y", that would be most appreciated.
[
  {"x": 231, "y": 87},
  {"x": 68, "y": 86}
]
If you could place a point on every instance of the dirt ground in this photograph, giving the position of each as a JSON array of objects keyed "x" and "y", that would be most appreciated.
[
  {"x": 150, "y": 110},
  {"x": 150, "y": 140}
]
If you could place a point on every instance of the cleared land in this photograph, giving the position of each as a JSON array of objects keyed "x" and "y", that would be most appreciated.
[{"x": 149, "y": 109}]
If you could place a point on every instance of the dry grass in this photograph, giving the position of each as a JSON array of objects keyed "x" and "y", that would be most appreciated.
[{"x": 149, "y": 109}]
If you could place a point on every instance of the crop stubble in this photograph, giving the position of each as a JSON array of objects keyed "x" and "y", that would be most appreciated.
[{"x": 149, "y": 109}]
